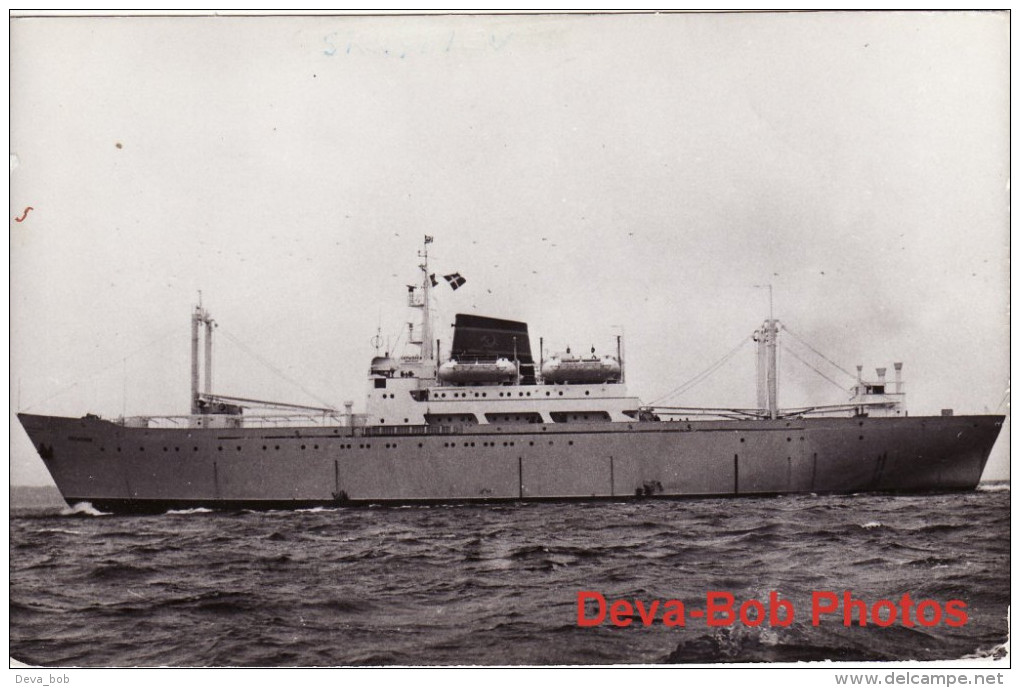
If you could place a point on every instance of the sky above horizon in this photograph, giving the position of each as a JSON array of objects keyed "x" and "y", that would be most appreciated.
[{"x": 590, "y": 174}]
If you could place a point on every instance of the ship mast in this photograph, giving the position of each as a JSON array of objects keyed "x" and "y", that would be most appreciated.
[
  {"x": 200, "y": 316},
  {"x": 426, "y": 315},
  {"x": 771, "y": 333},
  {"x": 768, "y": 380}
]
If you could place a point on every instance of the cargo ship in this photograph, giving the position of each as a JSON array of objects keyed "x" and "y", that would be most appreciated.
[{"x": 489, "y": 424}]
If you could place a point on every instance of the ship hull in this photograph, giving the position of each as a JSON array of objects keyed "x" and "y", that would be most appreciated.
[{"x": 124, "y": 469}]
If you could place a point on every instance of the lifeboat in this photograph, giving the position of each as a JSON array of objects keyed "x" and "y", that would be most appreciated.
[
  {"x": 460, "y": 373},
  {"x": 566, "y": 368},
  {"x": 383, "y": 365}
]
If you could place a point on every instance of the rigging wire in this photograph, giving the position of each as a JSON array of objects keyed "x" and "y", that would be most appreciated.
[
  {"x": 827, "y": 359},
  {"x": 705, "y": 374},
  {"x": 273, "y": 368},
  {"x": 396, "y": 341},
  {"x": 791, "y": 352},
  {"x": 167, "y": 334}
]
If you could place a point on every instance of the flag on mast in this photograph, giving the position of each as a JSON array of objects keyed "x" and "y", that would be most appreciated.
[{"x": 455, "y": 280}]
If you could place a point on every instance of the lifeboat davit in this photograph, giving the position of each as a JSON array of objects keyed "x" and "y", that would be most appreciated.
[
  {"x": 565, "y": 368},
  {"x": 460, "y": 373}
]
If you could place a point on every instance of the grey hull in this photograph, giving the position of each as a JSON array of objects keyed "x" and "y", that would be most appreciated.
[{"x": 125, "y": 469}]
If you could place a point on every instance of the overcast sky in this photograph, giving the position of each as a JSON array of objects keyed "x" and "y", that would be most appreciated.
[{"x": 588, "y": 174}]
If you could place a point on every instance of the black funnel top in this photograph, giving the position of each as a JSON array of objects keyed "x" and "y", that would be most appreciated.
[{"x": 478, "y": 338}]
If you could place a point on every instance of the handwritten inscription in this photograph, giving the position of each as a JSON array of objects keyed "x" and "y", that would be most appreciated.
[{"x": 24, "y": 214}]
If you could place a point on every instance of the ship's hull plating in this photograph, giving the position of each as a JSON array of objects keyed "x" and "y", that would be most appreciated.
[{"x": 123, "y": 469}]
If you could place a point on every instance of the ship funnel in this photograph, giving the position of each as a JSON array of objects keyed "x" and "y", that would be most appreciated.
[
  {"x": 859, "y": 369},
  {"x": 898, "y": 367},
  {"x": 880, "y": 372}
]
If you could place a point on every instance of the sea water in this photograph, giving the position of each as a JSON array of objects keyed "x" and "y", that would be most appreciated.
[{"x": 498, "y": 585}]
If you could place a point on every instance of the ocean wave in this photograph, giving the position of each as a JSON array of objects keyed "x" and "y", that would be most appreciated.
[
  {"x": 1000, "y": 651},
  {"x": 115, "y": 571},
  {"x": 83, "y": 509},
  {"x": 188, "y": 512},
  {"x": 993, "y": 487}
]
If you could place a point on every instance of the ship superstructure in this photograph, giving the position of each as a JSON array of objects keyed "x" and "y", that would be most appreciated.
[{"x": 489, "y": 423}]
